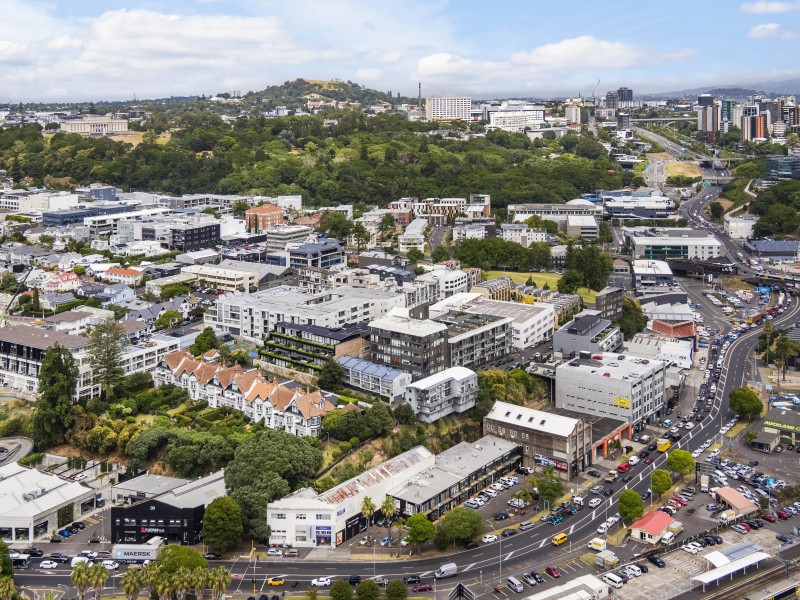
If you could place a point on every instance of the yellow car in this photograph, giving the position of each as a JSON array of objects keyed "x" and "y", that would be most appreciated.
[
  {"x": 559, "y": 539},
  {"x": 275, "y": 581}
]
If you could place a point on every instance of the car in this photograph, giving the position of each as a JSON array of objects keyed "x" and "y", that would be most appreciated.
[
  {"x": 292, "y": 553},
  {"x": 276, "y": 581},
  {"x": 64, "y": 533},
  {"x": 644, "y": 454},
  {"x": 648, "y": 460},
  {"x": 594, "y": 473},
  {"x": 657, "y": 561},
  {"x": 489, "y": 538},
  {"x": 752, "y": 463},
  {"x": 212, "y": 556},
  {"x": 602, "y": 529},
  {"x": 422, "y": 587},
  {"x": 471, "y": 504},
  {"x": 753, "y": 524},
  {"x": 501, "y": 516},
  {"x": 782, "y": 515},
  {"x": 643, "y": 568},
  {"x": 679, "y": 500},
  {"x": 553, "y": 572},
  {"x": 739, "y": 529},
  {"x": 59, "y": 557},
  {"x": 34, "y": 552},
  {"x": 598, "y": 489},
  {"x": 321, "y": 582},
  {"x": 595, "y": 502},
  {"x": 489, "y": 492},
  {"x": 652, "y": 446},
  {"x": 274, "y": 552},
  {"x": 787, "y": 539},
  {"x": 80, "y": 525},
  {"x": 509, "y": 532},
  {"x": 525, "y": 525},
  {"x": 713, "y": 507},
  {"x": 529, "y": 579},
  {"x": 623, "y": 575},
  {"x": 110, "y": 565},
  {"x": 690, "y": 549},
  {"x": 710, "y": 541},
  {"x": 48, "y": 564},
  {"x": 411, "y": 579},
  {"x": 627, "y": 478},
  {"x": 354, "y": 579},
  {"x": 385, "y": 540},
  {"x": 608, "y": 493},
  {"x": 556, "y": 520},
  {"x": 470, "y": 545},
  {"x": 769, "y": 518},
  {"x": 645, "y": 494},
  {"x": 80, "y": 477}
]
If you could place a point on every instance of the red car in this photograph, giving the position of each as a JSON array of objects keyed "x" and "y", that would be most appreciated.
[
  {"x": 782, "y": 515},
  {"x": 746, "y": 526},
  {"x": 769, "y": 518},
  {"x": 553, "y": 572},
  {"x": 679, "y": 500},
  {"x": 423, "y": 587},
  {"x": 648, "y": 460}
]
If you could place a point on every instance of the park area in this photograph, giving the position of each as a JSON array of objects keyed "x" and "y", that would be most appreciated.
[
  {"x": 551, "y": 279},
  {"x": 683, "y": 167}
]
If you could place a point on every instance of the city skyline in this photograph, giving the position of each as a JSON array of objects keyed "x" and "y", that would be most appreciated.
[{"x": 80, "y": 51}]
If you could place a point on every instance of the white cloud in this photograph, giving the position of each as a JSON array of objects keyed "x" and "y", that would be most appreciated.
[
  {"x": 770, "y": 31},
  {"x": 767, "y": 7},
  {"x": 368, "y": 75}
]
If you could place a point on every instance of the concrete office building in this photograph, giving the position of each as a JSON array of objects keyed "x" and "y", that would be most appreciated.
[
  {"x": 32, "y": 500},
  {"x": 582, "y": 226},
  {"x": 739, "y": 228},
  {"x": 519, "y": 213},
  {"x": 531, "y": 324},
  {"x": 608, "y": 303},
  {"x": 649, "y": 273},
  {"x": 449, "y": 281},
  {"x": 476, "y": 340},
  {"x": 783, "y": 167},
  {"x": 448, "y": 108},
  {"x": 224, "y": 278},
  {"x": 675, "y": 243},
  {"x": 413, "y": 236},
  {"x": 416, "y": 346},
  {"x": 547, "y": 439},
  {"x": 638, "y": 207},
  {"x": 587, "y": 332},
  {"x": 454, "y": 390},
  {"x": 278, "y": 237},
  {"x": 323, "y": 253},
  {"x": 255, "y": 315},
  {"x": 521, "y": 234},
  {"x": 611, "y": 385}
]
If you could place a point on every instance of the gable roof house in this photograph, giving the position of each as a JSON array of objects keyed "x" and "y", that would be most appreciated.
[{"x": 278, "y": 406}]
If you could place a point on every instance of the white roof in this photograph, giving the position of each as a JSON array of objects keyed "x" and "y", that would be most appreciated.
[
  {"x": 581, "y": 221},
  {"x": 458, "y": 373},
  {"x": 731, "y": 567},
  {"x": 399, "y": 323},
  {"x": 651, "y": 267},
  {"x": 51, "y": 492},
  {"x": 532, "y": 419}
]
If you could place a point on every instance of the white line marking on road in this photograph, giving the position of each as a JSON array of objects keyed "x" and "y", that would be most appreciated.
[
  {"x": 467, "y": 568},
  {"x": 509, "y": 554},
  {"x": 542, "y": 544},
  {"x": 571, "y": 529},
  {"x": 425, "y": 573}
]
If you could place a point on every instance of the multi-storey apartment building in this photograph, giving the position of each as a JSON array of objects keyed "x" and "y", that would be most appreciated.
[
  {"x": 453, "y": 390},
  {"x": 413, "y": 345},
  {"x": 448, "y": 108},
  {"x": 262, "y": 218}
]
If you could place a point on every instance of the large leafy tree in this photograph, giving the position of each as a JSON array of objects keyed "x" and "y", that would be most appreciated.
[
  {"x": 680, "y": 462},
  {"x": 173, "y": 558},
  {"x": 222, "y": 523},
  {"x": 105, "y": 355},
  {"x": 420, "y": 529},
  {"x": 745, "y": 403},
  {"x": 167, "y": 319},
  {"x": 548, "y": 484},
  {"x": 660, "y": 481},
  {"x": 331, "y": 376},
  {"x": 460, "y": 525},
  {"x": 207, "y": 340},
  {"x": 341, "y": 590},
  {"x": 786, "y": 348},
  {"x": 266, "y": 466},
  {"x": 6, "y": 566},
  {"x": 630, "y": 505},
  {"x": 633, "y": 319},
  {"x": 58, "y": 379}
]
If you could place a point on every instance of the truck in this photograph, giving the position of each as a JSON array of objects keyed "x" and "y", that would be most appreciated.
[
  {"x": 675, "y": 527},
  {"x": 446, "y": 570},
  {"x": 726, "y": 516},
  {"x": 606, "y": 559},
  {"x": 598, "y": 544},
  {"x": 611, "y": 477},
  {"x": 138, "y": 553},
  {"x": 704, "y": 483},
  {"x": 663, "y": 444},
  {"x": 578, "y": 500}
]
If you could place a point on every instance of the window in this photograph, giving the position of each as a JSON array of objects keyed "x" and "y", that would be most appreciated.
[
  {"x": 323, "y": 517},
  {"x": 300, "y": 516},
  {"x": 280, "y": 515}
]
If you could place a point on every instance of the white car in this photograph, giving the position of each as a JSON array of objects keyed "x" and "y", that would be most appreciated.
[
  {"x": 602, "y": 529},
  {"x": 274, "y": 552},
  {"x": 80, "y": 477},
  {"x": 490, "y": 492},
  {"x": 321, "y": 582},
  {"x": 595, "y": 502},
  {"x": 404, "y": 542},
  {"x": 489, "y": 538},
  {"x": 111, "y": 565},
  {"x": 48, "y": 564},
  {"x": 696, "y": 453},
  {"x": 689, "y": 549}
]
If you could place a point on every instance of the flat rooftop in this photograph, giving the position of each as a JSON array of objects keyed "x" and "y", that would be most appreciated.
[
  {"x": 407, "y": 325},
  {"x": 29, "y": 492},
  {"x": 460, "y": 323},
  {"x": 650, "y": 267},
  {"x": 611, "y": 365},
  {"x": 514, "y": 310},
  {"x": 42, "y": 339}
]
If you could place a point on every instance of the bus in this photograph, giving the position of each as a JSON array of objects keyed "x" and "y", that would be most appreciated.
[{"x": 21, "y": 561}]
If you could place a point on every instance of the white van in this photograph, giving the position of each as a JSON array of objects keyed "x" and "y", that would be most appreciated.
[
  {"x": 633, "y": 570},
  {"x": 79, "y": 559},
  {"x": 633, "y": 460},
  {"x": 515, "y": 584},
  {"x": 668, "y": 538},
  {"x": 613, "y": 580}
]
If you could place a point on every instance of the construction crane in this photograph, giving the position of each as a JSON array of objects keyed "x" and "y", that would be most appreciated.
[
  {"x": 14, "y": 297},
  {"x": 594, "y": 94}
]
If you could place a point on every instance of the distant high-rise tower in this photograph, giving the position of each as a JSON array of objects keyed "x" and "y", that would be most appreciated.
[
  {"x": 623, "y": 121},
  {"x": 755, "y": 127},
  {"x": 726, "y": 113},
  {"x": 705, "y": 100},
  {"x": 448, "y": 108},
  {"x": 708, "y": 120},
  {"x": 612, "y": 100},
  {"x": 625, "y": 94}
]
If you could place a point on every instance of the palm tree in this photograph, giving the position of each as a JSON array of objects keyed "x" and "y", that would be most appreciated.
[
  {"x": 131, "y": 584},
  {"x": 368, "y": 508},
  {"x": 769, "y": 329},
  {"x": 525, "y": 495},
  {"x": 200, "y": 577},
  {"x": 182, "y": 580},
  {"x": 389, "y": 510},
  {"x": 149, "y": 575},
  {"x": 219, "y": 579},
  {"x": 164, "y": 586},
  {"x": 80, "y": 579},
  {"x": 786, "y": 348},
  {"x": 7, "y": 588},
  {"x": 98, "y": 575}
]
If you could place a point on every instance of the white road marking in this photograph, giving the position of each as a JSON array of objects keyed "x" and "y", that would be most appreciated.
[
  {"x": 425, "y": 573},
  {"x": 509, "y": 554},
  {"x": 467, "y": 568}
]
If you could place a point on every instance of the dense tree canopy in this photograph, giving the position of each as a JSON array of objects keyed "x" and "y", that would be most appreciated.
[
  {"x": 745, "y": 403},
  {"x": 58, "y": 378}
]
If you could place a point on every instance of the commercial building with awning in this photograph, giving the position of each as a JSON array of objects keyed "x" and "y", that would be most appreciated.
[
  {"x": 740, "y": 564},
  {"x": 736, "y": 501}
]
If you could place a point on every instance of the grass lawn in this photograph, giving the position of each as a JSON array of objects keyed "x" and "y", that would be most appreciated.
[
  {"x": 683, "y": 167},
  {"x": 541, "y": 278}
]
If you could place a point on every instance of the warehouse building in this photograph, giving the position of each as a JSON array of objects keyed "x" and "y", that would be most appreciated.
[{"x": 35, "y": 504}]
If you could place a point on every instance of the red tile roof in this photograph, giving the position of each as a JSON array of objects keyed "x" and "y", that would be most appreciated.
[
  {"x": 263, "y": 209},
  {"x": 654, "y": 522}
]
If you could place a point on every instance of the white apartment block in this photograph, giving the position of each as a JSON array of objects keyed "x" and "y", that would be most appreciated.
[
  {"x": 739, "y": 228},
  {"x": 450, "y": 282},
  {"x": 375, "y": 378},
  {"x": 573, "y": 114},
  {"x": 453, "y": 390},
  {"x": 413, "y": 236},
  {"x": 662, "y": 247},
  {"x": 517, "y": 120},
  {"x": 611, "y": 385},
  {"x": 532, "y": 323},
  {"x": 521, "y": 234},
  {"x": 448, "y": 108},
  {"x": 469, "y": 232},
  {"x": 227, "y": 280},
  {"x": 254, "y": 315}
]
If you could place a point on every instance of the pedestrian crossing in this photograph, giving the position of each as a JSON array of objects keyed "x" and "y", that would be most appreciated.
[{"x": 94, "y": 520}]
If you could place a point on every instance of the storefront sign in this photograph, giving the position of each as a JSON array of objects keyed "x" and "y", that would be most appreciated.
[
  {"x": 621, "y": 402},
  {"x": 783, "y": 426},
  {"x": 546, "y": 461},
  {"x": 151, "y": 530}
]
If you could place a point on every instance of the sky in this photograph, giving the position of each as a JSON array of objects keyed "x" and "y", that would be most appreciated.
[{"x": 116, "y": 50}]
